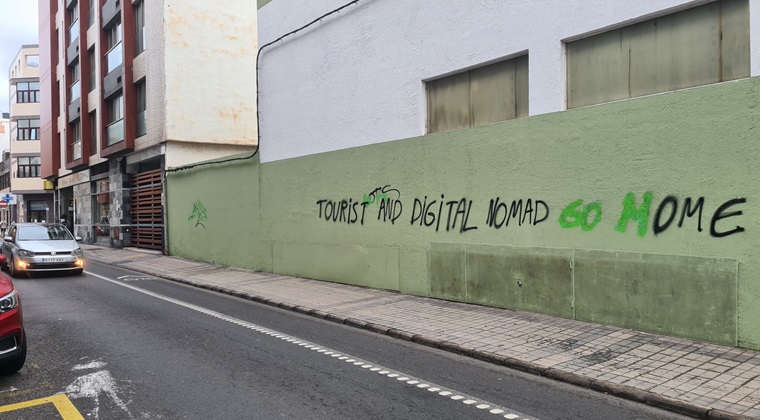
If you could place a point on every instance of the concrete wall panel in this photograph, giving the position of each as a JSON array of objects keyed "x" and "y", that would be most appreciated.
[
  {"x": 526, "y": 279},
  {"x": 665, "y": 294}
]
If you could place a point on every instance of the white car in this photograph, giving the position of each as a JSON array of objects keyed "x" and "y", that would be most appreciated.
[{"x": 42, "y": 247}]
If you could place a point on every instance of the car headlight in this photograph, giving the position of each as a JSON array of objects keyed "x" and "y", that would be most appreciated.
[
  {"x": 25, "y": 253},
  {"x": 9, "y": 301},
  {"x": 78, "y": 252}
]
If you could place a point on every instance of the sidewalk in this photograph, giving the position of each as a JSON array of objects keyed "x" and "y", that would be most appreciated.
[{"x": 693, "y": 378}]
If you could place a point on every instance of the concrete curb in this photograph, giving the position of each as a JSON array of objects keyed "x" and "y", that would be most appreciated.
[{"x": 620, "y": 391}]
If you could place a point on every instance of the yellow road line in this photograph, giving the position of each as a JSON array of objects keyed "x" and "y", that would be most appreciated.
[{"x": 61, "y": 402}]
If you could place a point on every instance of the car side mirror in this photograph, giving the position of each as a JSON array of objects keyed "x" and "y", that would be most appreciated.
[
  {"x": 8, "y": 239},
  {"x": 78, "y": 238}
]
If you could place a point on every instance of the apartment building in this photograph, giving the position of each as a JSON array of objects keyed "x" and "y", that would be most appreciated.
[
  {"x": 34, "y": 196},
  {"x": 131, "y": 89}
]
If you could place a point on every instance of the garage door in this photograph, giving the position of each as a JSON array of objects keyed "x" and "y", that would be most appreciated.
[{"x": 146, "y": 211}]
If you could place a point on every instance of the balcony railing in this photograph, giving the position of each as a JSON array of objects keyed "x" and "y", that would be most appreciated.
[
  {"x": 74, "y": 31},
  {"x": 115, "y": 133},
  {"x": 114, "y": 57},
  {"x": 75, "y": 91},
  {"x": 75, "y": 150},
  {"x": 142, "y": 128}
]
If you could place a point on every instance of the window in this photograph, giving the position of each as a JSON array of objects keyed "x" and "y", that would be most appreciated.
[
  {"x": 114, "y": 35},
  {"x": 140, "y": 30},
  {"x": 74, "y": 19},
  {"x": 116, "y": 109},
  {"x": 32, "y": 60},
  {"x": 27, "y": 92},
  {"x": 496, "y": 92},
  {"x": 93, "y": 133},
  {"x": 28, "y": 167},
  {"x": 115, "y": 129},
  {"x": 703, "y": 45},
  {"x": 75, "y": 148},
  {"x": 28, "y": 129},
  {"x": 93, "y": 66},
  {"x": 142, "y": 129},
  {"x": 43, "y": 233},
  {"x": 91, "y": 16},
  {"x": 5, "y": 181}
]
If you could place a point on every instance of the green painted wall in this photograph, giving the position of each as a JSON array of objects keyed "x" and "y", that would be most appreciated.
[
  {"x": 213, "y": 214},
  {"x": 571, "y": 256}
]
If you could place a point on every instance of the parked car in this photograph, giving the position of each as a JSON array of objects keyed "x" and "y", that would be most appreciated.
[
  {"x": 42, "y": 247},
  {"x": 12, "y": 334}
]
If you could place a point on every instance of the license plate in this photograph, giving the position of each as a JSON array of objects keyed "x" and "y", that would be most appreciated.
[{"x": 52, "y": 260}]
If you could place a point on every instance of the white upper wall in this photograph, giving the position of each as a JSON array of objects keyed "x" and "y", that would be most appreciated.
[
  {"x": 210, "y": 67},
  {"x": 357, "y": 77}
]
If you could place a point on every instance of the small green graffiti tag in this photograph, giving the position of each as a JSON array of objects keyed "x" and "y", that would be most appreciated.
[
  {"x": 370, "y": 199},
  {"x": 630, "y": 212},
  {"x": 572, "y": 216},
  {"x": 198, "y": 213}
]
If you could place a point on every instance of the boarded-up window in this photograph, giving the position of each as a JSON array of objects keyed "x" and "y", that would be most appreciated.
[
  {"x": 699, "y": 46},
  {"x": 484, "y": 95}
]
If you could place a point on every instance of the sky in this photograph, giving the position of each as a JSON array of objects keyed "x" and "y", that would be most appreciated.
[{"x": 18, "y": 26}]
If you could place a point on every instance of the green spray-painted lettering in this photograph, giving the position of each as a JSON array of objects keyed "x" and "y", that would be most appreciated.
[
  {"x": 572, "y": 216},
  {"x": 372, "y": 198},
  {"x": 630, "y": 212}
]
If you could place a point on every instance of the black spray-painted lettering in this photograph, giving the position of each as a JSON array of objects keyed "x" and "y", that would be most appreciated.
[
  {"x": 343, "y": 211},
  {"x": 499, "y": 215},
  {"x": 720, "y": 215},
  {"x": 458, "y": 214}
]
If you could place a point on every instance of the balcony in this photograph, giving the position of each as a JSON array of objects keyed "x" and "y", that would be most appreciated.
[
  {"x": 115, "y": 58},
  {"x": 72, "y": 50},
  {"x": 115, "y": 133},
  {"x": 75, "y": 91},
  {"x": 74, "y": 32},
  {"x": 110, "y": 11},
  {"x": 75, "y": 151}
]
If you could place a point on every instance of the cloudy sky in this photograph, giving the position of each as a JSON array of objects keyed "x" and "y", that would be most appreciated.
[{"x": 18, "y": 26}]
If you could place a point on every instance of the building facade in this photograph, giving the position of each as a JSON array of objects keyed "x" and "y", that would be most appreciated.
[
  {"x": 33, "y": 196},
  {"x": 591, "y": 160},
  {"x": 131, "y": 89},
  {"x": 5, "y": 165}
]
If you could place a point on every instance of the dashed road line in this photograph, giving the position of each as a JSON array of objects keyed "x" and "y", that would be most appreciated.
[{"x": 407, "y": 379}]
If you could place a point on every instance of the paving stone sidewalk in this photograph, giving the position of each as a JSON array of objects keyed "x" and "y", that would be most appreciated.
[{"x": 690, "y": 377}]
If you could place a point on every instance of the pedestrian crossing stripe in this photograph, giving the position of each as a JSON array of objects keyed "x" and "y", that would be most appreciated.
[{"x": 61, "y": 402}]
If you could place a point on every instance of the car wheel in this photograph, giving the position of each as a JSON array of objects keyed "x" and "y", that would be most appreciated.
[
  {"x": 12, "y": 266},
  {"x": 15, "y": 364}
]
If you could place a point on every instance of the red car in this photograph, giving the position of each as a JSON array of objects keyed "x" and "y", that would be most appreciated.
[{"x": 12, "y": 334}]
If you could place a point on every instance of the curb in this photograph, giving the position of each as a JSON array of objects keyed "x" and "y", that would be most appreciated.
[{"x": 620, "y": 391}]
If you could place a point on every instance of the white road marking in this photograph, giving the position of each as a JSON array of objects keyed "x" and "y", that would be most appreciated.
[
  {"x": 92, "y": 386},
  {"x": 92, "y": 365},
  {"x": 512, "y": 414}
]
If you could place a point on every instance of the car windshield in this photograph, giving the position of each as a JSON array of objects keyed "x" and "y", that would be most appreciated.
[{"x": 43, "y": 233}]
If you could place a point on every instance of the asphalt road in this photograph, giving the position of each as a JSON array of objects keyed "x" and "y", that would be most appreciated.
[{"x": 121, "y": 345}]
